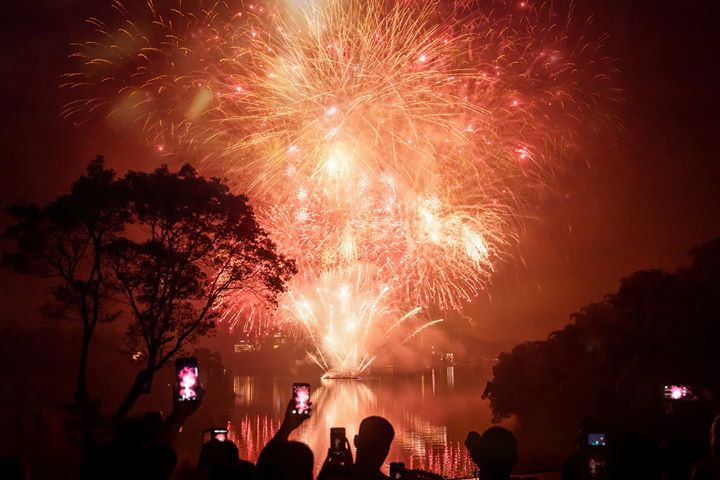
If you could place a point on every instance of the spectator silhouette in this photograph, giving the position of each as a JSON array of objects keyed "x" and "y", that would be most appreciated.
[
  {"x": 372, "y": 444},
  {"x": 495, "y": 452},
  {"x": 285, "y": 460},
  {"x": 140, "y": 447},
  {"x": 710, "y": 469},
  {"x": 282, "y": 459},
  {"x": 586, "y": 462},
  {"x": 221, "y": 460},
  {"x": 135, "y": 451}
]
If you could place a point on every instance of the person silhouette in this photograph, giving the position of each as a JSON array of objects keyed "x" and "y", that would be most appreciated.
[
  {"x": 282, "y": 459},
  {"x": 220, "y": 460},
  {"x": 710, "y": 469},
  {"x": 495, "y": 452},
  {"x": 137, "y": 450},
  {"x": 372, "y": 444},
  {"x": 587, "y": 462},
  {"x": 285, "y": 460}
]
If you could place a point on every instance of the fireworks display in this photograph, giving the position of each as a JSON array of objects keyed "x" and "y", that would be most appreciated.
[{"x": 389, "y": 145}]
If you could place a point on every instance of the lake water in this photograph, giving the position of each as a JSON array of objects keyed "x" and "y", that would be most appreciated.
[{"x": 431, "y": 413}]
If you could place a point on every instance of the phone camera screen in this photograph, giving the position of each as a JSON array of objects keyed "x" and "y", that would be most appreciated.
[
  {"x": 219, "y": 434},
  {"x": 676, "y": 392},
  {"x": 596, "y": 439},
  {"x": 187, "y": 378},
  {"x": 337, "y": 439},
  {"x": 301, "y": 394}
]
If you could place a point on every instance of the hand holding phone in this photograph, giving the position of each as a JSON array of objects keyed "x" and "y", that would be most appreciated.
[
  {"x": 298, "y": 410},
  {"x": 339, "y": 453},
  {"x": 337, "y": 441}
]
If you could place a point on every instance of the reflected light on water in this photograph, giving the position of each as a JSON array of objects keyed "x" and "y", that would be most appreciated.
[
  {"x": 430, "y": 423},
  {"x": 244, "y": 389},
  {"x": 251, "y": 432}
]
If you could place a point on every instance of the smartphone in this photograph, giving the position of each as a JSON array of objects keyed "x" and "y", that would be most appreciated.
[
  {"x": 301, "y": 398},
  {"x": 217, "y": 433},
  {"x": 397, "y": 470},
  {"x": 596, "y": 439},
  {"x": 337, "y": 440},
  {"x": 187, "y": 379},
  {"x": 676, "y": 392}
]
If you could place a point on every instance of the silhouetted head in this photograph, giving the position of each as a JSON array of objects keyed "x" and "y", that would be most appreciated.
[
  {"x": 495, "y": 452},
  {"x": 285, "y": 461},
  {"x": 129, "y": 433},
  {"x": 218, "y": 458},
  {"x": 157, "y": 462},
  {"x": 151, "y": 426},
  {"x": 135, "y": 451},
  {"x": 373, "y": 442},
  {"x": 139, "y": 431},
  {"x": 715, "y": 437}
]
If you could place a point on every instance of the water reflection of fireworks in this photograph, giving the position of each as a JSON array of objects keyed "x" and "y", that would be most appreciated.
[{"x": 421, "y": 442}]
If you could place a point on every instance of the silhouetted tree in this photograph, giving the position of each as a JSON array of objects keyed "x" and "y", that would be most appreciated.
[
  {"x": 612, "y": 361},
  {"x": 191, "y": 241},
  {"x": 66, "y": 241}
]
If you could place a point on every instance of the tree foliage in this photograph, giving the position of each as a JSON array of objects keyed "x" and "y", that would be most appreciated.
[
  {"x": 167, "y": 244},
  {"x": 67, "y": 241},
  {"x": 191, "y": 241},
  {"x": 613, "y": 360}
]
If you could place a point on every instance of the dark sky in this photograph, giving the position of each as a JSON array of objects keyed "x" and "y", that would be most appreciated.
[{"x": 643, "y": 201}]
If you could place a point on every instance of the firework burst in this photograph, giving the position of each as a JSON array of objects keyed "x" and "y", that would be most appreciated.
[
  {"x": 349, "y": 316},
  {"x": 390, "y": 145}
]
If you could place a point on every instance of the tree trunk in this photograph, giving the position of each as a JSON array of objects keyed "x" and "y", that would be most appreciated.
[
  {"x": 81, "y": 395},
  {"x": 139, "y": 386}
]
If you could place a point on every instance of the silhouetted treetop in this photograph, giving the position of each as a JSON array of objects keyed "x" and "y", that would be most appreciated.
[
  {"x": 613, "y": 360},
  {"x": 168, "y": 244},
  {"x": 190, "y": 241},
  {"x": 67, "y": 240}
]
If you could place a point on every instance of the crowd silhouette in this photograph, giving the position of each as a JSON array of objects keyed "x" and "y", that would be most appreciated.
[{"x": 142, "y": 448}]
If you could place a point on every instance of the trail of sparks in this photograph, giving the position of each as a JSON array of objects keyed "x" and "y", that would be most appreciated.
[{"x": 390, "y": 145}]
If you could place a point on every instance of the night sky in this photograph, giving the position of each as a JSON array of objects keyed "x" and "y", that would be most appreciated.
[{"x": 639, "y": 198}]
